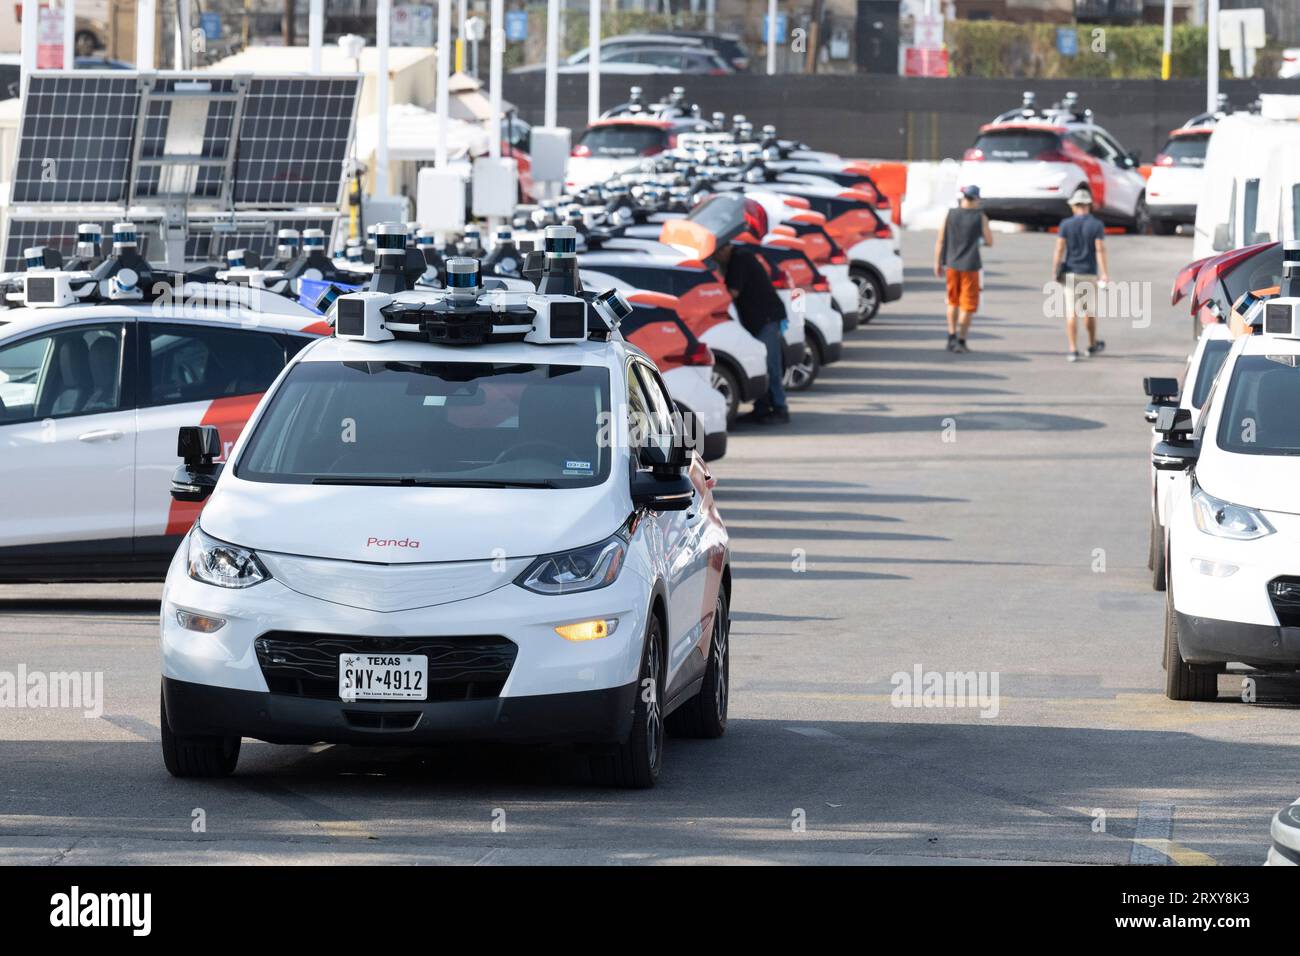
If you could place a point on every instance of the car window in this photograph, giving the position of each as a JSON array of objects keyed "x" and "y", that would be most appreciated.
[
  {"x": 622, "y": 139},
  {"x": 1185, "y": 150},
  {"x": 433, "y": 422},
  {"x": 1114, "y": 151},
  {"x": 195, "y": 363},
  {"x": 638, "y": 410},
  {"x": 1261, "y": 412},
  {"x": 1015, "y": 145},
  {"x": 70, "y": 372},
  {"x": 660, "y": 58},
  {"x": 1216, "y": 350},
  {"x": 661, "y": 406}
]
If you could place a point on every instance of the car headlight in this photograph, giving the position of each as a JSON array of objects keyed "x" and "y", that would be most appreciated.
[
  {"x": 1226, "y": 520},
  {"x": 582, "y": 569},
  {"x": 224, "y": 565}
]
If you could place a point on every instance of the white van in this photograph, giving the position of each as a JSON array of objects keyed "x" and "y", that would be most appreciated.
[{"x": 1248, "y": 177}]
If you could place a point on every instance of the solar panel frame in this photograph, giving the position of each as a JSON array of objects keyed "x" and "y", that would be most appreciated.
[{"x": 205, "y": 244}]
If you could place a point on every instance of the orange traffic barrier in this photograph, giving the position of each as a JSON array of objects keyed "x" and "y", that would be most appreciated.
[{"x": 891, "y": 179}]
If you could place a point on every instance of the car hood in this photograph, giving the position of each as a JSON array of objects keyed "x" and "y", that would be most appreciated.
[
  {"x": 410, "y": 525},
  {"x": 1265, "y": 482}
]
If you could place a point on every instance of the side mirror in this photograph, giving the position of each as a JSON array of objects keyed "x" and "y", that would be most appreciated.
[
  {"x": 1162, "y": 392},
  {"x": 1257, "y": 237},
  {"x": 1174, "y": 422},
  {"x": 655, "y": 493},
  {"x": 1173, "y": 456},
  {"x": 197, "y": 446},
  {"x": 664, "y": 456},
  {"x": 1135, "y": 159},
  {"x": 1222, "y": 237}
]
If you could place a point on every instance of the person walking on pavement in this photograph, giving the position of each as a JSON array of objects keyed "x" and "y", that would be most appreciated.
[
  {"x": 1079, "y": 264},
  {"x": 958, "y": 251},
  {"x": 763, "y": 316}
]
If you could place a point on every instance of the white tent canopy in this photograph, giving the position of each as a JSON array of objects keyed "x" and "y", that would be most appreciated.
[{"x": 413, "y": 135}]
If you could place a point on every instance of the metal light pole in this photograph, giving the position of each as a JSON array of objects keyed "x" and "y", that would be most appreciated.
[
  {"x": 69, "y": 34},
  {"x": 383, "y": 22},
  {"x": 27, "y": 44},
  {"x": 1212, "y": 56},
  {"x": 316, "y": 32},
  {"x": 441, "y": 100},
  {"x": 771, "y": 37},
  {"x": 593, "y": 63},
  {"x": 182, "y": 47},
  {"x": 1166, "y": 58},
  {"x": 496, "y": 49},
  {"x": 552, "y": 59},
  {"x": 146, "y": 12}
]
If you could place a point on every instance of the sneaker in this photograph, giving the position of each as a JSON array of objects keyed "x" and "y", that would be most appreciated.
[
  {"x": 1096, "y": 349},
  {"x": 1072, "y": 356},
  {"x": 961, "y": 346},
  {"x": 755, "y": 417},
  {"x": 952, "y": 343}
]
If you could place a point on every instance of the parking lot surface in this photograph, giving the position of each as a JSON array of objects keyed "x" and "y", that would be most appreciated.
[{"x": 925, "y": 512}]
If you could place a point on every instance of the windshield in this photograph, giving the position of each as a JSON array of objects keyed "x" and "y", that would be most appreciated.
[
  {"x": 1216, "y": 350},
  {"x": 434, "y": 423},
  {"x": 1261, "y": 413}
]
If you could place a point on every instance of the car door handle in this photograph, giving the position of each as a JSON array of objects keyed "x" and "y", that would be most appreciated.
[{"x": 103, "y": 434}]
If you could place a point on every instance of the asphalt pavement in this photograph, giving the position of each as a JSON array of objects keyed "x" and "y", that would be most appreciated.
[{"x": 979, "y": 517}]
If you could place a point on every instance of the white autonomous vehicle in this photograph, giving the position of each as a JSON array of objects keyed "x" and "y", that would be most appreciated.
[
  {"x": 466, "y": 515},
  {"x": 1233, "y": 515}
]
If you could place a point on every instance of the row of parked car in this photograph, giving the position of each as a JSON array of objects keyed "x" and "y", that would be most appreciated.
[{"x": 94, "y": 381}]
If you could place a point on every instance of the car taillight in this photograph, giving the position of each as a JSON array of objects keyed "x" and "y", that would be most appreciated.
[
  {"x": 1164, "y": 159},
  {"x": 821, "y": 285},
  {"x": 1052, "y": 155},
  {"x": 973, "y": 155},
  {"x": 696, "y": 354},
  {"x": 580, "y": 150},
  {"x": 780, "y": 281},
  {"x": 882, "y": 230},
  {"x": 718, "y": 71},
  {"x": 839, "y": 259}
]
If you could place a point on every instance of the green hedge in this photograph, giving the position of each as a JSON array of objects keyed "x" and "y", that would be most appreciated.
[{"x": 990, "y": 48}]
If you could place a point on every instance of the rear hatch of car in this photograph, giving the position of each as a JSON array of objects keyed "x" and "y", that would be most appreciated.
[
  {"x": 1015, "y": 161},
  {"x": 623, "y": 141}
]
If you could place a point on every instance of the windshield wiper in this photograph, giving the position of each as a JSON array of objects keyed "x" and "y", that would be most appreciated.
[{"x": 427, "y": 482}]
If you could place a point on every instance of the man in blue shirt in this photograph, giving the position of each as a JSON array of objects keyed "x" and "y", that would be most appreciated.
[{"x": 1079, "y": 264}]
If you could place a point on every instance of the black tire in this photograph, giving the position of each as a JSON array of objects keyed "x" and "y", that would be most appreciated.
[
  {"x": 197, "y": 756},
  {"x": 726, "y": 384},
  {"x": 1163, "y": 227},
  {"x": 870, "y": 294},
  {"x": 1151, "y": 543},
  {"x": 1158, "y": 580},
  {"x": 1141, "y": 218},
  {"x": 1184, "y": 681},
  {"x": 800, "y": 376},
  {"x": 636, "y": 761},
  {"x": 704, "y": 716}
]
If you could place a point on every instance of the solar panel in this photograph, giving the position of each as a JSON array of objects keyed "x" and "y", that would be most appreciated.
[
  {"x": 58, "y": 234},
  {"x": 76, "y": 139},
  {"x": 187, "y": 119},
  {"x": 293, "y": 140}
]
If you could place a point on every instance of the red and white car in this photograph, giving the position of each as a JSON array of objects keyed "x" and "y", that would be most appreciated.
[
  {"x": 91, "y": 397},
  {"x": 1027, "y": 168}
]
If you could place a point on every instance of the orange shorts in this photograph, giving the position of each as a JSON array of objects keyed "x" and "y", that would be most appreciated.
[{"x": 964, "y": 289}]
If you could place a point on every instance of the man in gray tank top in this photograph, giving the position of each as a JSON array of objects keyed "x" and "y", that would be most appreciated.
[{"x": 957, "y": 251}]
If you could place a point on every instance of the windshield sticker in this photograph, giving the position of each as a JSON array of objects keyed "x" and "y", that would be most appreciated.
[{"x": 578, "y": 468}]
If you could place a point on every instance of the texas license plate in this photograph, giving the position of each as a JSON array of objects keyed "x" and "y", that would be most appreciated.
[{"x": 383, "y": 677}]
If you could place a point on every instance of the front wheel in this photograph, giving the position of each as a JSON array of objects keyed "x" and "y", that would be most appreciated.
[
  {"x": 1184, "y": 681},
  {"x": 705, "y": 714},
  {"x": 193, "y": 756},
  {"x": 870, "y": 294},
  {"x": 1163, "y": 227},
  {"x": 635, "y": 762}
]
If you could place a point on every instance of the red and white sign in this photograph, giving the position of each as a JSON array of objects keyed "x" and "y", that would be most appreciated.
[
  {"x": 927, "y": 31},
  {"x": 918, "y": 62},
  {"x": 49, "y": 37}
]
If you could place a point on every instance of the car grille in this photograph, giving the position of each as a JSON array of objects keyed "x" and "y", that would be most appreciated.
[
  {"x": 300, "y": 664},
  {"x": 1284, "y": 594}
]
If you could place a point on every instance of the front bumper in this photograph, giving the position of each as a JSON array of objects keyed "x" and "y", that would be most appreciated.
[
  {"x": 715, "y": 446},
  {"x": 893, "y": 292},
  {"x": 832, "y": 352},
  {"x": 596, "y": 716},
  {"x": 1204, "y": 640},
  {"x": 753, "y": 388}
]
